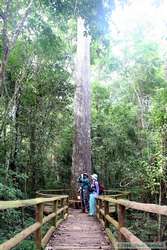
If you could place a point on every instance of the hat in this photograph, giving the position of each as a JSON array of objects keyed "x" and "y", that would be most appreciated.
[
  {"x": 85, "y": 174},
  {"x": 94, "y": 176}
]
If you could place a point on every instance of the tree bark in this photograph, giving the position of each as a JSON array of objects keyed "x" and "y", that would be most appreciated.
[{"x": 81, "y": 159}]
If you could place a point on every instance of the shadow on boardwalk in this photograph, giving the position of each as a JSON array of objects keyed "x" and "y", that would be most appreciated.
[{"x": 79, "y": 231}]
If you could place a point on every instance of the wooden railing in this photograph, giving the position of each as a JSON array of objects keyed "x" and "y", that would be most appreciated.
[
  {"x": 59, "y": 213},
  {"x": 73, "y": 202},
  {"x": 103, "y": 204},
  {"x": 116, "y": 193},
  {"x": 76, "y": 203},
  {"x": 52, "y": 192}
]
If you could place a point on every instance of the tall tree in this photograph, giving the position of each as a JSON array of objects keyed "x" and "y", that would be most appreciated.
[{"x": 81, "y": 160}]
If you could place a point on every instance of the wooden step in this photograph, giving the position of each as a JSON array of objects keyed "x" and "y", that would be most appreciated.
[
  {"x": 78, "y": 248},
  {"x": 79, "y": 231}
]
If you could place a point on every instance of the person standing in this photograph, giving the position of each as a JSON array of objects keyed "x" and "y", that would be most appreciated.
[
  {"x": 94, "y": 193},
  {"x": 84, "y": 191}
]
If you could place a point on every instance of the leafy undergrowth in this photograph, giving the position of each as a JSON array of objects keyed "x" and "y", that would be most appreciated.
[
  {"x": 145, "y": 226},
  {"x": 14, "y": 221}
]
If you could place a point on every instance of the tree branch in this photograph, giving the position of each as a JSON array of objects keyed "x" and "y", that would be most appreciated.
[
  {"x": 21, "y": 24},
  {"x": 5, "y": 41},
  {"x": 5, "y": 45},
  {"x": 2, "y": 16}
]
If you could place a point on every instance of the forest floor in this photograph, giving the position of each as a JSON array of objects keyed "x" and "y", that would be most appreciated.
[{"x": 79, "y": 231}]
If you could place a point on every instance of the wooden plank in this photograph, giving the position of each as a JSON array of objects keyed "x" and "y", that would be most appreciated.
[
  {"x": 112, "y": 221},
  {"x": 112, "y": 238},
  {"x": 147, "y": 207},
  {"x": 97, "y": 209},
  {"x": 53, "y": 215},
  {"x": 38, "y": 232},
  {"x": 138, "y": 244},
  {"x": 53, "y": 190},
  {"x": 49, "y": 217},
  {"x": 67, "y": 205},
  {"x": 102, "y": 222},
  {"x": 80, "y": 232},
  {"x": 62, "y": 205},
  {"x": 102, "y": 211},
  {"x": 116, "y": 191},
  {"x": 66, "y": 216},
  {"x": 55, "y": 206},
  {"x": 152, "y": 208},
  {"x": 81, "y": 248},
  {"x": 46, "y": 195},
  {"x": 121, "y": 220},
  {"x": 60, "y": 210},
  {"x": 106, "y": 212},
  {"x": 47, "y": 236},
  {"x": 19, "y": 237},
  {"x": 97, "y": 212},
  {"x": 59, "y": 222},
  {"x": 26, "y": 203}
]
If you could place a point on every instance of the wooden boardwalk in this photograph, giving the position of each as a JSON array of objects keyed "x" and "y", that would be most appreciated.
[{"x": 79, "y": 231}]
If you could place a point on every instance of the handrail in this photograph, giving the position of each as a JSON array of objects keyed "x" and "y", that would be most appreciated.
[
  {"x": 61, "y": 200},
  {"x": 104, "y": 216},
  {"x": 76, "y": 203},
  {"x": 53, "y": 191},
  {"x": 115, "y": 191},
  {"x": 26, "y": 203},
  {"x": 146, "y": 207}
]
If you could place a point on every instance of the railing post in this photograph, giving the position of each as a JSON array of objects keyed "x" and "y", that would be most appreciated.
[
  {"x": 121, "y": 220},
  {"x": 67, "y": 206},
  {"x": 106, "y": 212},
  {"x": 55, "y": 205},
  {"x": 100, "y": 207},
  {"x": 97, "y": 208},
  {"x": 38, "y": 233},
  {"x": 62, "y": 205}
]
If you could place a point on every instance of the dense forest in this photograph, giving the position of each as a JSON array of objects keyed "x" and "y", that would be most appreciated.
[{"x": 128, "y": 129}]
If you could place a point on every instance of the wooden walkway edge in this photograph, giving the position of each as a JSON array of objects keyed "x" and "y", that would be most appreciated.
[{"x": 79, "y": 231}]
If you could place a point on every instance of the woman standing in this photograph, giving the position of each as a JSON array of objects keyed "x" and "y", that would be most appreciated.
[{"x": 94, "y": 193}]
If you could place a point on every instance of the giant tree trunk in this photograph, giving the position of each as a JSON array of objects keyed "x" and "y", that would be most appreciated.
[{"x": 81, "y": 160}]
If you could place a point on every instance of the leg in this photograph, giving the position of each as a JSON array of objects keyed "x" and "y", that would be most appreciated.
[
  {"x": 82, "y": 201},
  {"x": 86, "y": 200},
  {"x": 91, "y": 204}
]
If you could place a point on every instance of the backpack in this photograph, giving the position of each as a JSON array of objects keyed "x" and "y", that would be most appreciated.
[{"x": 101, "y": 189}]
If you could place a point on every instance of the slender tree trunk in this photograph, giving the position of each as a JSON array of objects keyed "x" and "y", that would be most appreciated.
[
  {"x": 33, "y": 173},
  {"x": 159, "y": 216},
  {"x": 8, "y": 45},
  {"x": 81, "y": 159}
]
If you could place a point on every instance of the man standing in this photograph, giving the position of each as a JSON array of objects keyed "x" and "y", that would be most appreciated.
[{"x": 84, "y": 191}]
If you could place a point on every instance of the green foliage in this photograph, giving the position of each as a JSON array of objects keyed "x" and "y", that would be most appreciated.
[
  {"x": 26, "y": 245},
  {"x": 129, "y": 110},
  {"x": 96, "y": 17},
  {"x": 129, "y": 106},
  {"x": 143, "y": 226},
  {"x": 114, "y": 138},
  {"x": 159, "y": 107}
]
